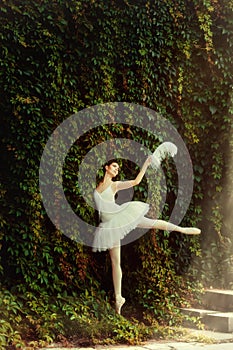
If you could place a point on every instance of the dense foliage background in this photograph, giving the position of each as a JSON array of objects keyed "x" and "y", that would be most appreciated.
[{"x": 60, "y": 56}]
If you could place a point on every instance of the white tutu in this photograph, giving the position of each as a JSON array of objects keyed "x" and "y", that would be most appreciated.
[{"x": 116, "y": 220}]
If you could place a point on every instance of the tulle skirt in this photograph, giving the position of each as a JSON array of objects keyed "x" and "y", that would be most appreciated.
[{"x": 116, "y": 225}]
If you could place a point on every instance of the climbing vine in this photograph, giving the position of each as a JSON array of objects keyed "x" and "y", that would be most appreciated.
[{"x": 58, "y": 57}]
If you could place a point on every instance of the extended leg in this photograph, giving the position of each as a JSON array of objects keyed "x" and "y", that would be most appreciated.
[
  {"x": 167, "y": 226},
  {"x": 115, "y": 254}
]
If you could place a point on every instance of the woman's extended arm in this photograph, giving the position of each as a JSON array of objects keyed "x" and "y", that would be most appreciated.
[{"x": 122, "y": 185}]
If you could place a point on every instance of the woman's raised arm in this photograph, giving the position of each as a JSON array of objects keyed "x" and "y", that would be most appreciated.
[{"x": 122, "y": 185}]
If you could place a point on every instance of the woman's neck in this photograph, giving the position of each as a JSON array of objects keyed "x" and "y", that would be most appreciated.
[{"x": 106, "y": 180}]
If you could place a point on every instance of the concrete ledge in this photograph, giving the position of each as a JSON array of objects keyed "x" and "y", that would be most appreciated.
[
  {"x": 193, "y": 312},
  {"x": 213, "y": 320},
  {"x": 221, "y": 322},
  {"x": 217, "y": 299}
]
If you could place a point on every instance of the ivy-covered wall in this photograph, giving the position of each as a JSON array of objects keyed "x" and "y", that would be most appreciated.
[{"x": 60, "y": 56}]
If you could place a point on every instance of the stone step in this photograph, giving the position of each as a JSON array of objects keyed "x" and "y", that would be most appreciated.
[
  {"x": 212, "y": 319},
  {"x": 195, "y": 312},
  {"x": 218, "y": 299}
]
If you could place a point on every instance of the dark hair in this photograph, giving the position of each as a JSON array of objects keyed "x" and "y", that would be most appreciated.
[
  {"x": 109, "y": 162},
  {"x": 102, "y": 170}
]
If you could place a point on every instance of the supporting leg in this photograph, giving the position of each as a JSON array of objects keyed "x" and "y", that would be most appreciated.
[
  {"x": 115, "y": 255},
  {"x": 167, "y": 226}
]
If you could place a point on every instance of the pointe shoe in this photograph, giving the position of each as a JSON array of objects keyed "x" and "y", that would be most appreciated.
[
  {"x": 191, "y": 231},
  {"x": 119, "y": 303}
]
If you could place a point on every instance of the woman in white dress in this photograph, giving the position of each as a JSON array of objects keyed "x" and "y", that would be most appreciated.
[{"x": 118, "y": 220}]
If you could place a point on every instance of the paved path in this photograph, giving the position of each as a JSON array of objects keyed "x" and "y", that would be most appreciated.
[
  {"x": 161, "y": 346},
  {"x": 222, "y": 341}
]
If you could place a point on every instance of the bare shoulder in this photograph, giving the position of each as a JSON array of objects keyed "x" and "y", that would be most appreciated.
[{"x": 99, "y": 186}]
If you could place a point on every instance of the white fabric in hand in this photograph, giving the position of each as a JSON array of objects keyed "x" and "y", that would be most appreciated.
[{"x": 161, "y": 152}]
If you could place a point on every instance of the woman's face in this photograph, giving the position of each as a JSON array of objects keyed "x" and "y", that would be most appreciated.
[{"x": 112, "y": 169}]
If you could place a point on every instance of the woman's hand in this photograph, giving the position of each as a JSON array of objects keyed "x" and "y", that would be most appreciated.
[{"x": 148, "y": 160}]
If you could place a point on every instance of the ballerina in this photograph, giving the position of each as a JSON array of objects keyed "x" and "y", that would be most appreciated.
[{"x": 118, "y": 220}]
